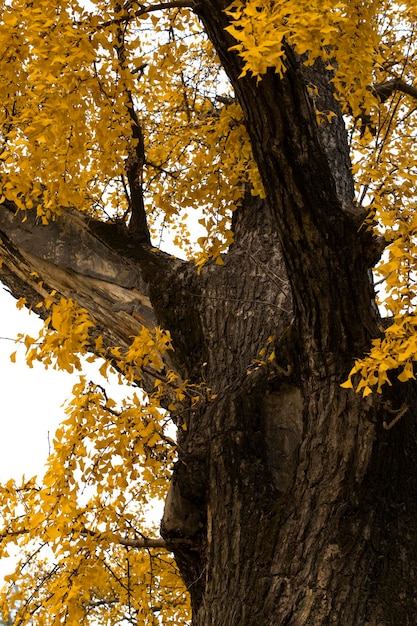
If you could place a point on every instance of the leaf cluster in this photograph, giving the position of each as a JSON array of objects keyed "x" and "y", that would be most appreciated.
[{"x": 78, "y": 530}]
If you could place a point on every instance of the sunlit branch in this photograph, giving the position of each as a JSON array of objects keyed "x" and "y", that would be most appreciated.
[
  {"x": 145, "y": 542},
  {"x": 139, "y": 542},
  {"x": 142, "y": 542}
]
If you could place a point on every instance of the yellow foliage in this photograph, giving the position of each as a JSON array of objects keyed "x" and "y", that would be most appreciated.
[
  {"x": 74, "y": 527},
  {"x": 64, "y": 337},
  {"x": 79, "y": 68},
  {"x": 396, "y": 350},
  {"x": 339, "y": 32},
  {"x": 108, "y": 465}
]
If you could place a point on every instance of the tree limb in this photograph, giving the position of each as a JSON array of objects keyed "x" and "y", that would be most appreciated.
[
  {"x": 66, "y": 256},
  {"x": 135, "y": 161},
  {"x": 387, "y": 88},
  {"x": 143, "y": 542},
  {"x": 140, "y": 542},
  {"x": 161, "y": 6}
]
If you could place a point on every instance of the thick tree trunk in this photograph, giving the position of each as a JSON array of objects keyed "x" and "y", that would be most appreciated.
[
  {"x": 333, "y": 545},
  {"x": 306, "y": 507},
  {"x": 296, "y": 506},
  {"x": 299, "y": 505}
]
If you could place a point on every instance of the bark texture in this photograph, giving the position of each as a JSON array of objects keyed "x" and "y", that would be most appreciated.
[{"x": 296, "y": 505}]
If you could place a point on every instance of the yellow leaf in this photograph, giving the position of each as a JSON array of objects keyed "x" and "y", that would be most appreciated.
[
  {"x": 407, "y": 372},
  {"x": 52, "y": 532},
  {"x": 367, "y": 391},
  {"x": 21, "y": 303}
]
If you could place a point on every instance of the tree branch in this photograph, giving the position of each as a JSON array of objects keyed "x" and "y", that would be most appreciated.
[
  {"x": 68, "y": 257},
  {"x": 135, "y": 162},
  {"x": 143, "y": 542},
  {"x": 146, "y": 542},
  {"x": 386, "y": 89},
  {"x": 161, "y": 6},
  {"x": 140, "y": 542}
]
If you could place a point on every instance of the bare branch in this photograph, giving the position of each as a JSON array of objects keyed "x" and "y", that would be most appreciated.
[
  {"x": 139, "y": 542},
  {"x": 386, "y": 89},
  {"x": 162, "y": 6},
  {"x": 143, "y": 542}
]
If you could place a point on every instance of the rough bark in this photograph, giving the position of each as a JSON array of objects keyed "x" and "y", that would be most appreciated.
[
  {"x": 67, "y": 257},
  {"x": 296, "y": 505}
]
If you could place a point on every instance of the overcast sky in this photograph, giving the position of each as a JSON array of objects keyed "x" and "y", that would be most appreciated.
[{"x": 30, "y": 401}]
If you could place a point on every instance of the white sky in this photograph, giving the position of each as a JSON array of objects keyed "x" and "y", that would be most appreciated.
[{"x": 30, "y": 399}]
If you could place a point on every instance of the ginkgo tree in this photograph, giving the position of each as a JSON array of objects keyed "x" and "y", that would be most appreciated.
[{"x": 271, "y": 404}]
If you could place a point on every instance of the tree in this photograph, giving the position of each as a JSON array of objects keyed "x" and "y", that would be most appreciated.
[{"x": 288, "y": 128}]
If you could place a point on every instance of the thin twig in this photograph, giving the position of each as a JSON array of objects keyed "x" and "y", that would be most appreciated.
[{"x": 175, "y": 4}]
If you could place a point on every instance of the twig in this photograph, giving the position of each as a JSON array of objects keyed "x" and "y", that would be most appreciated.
[
  {"x": 175, "y": 4},
  {"x": 399, "y": 414}
]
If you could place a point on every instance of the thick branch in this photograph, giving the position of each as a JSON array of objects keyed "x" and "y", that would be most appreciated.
[
  {"x": 139, "y": 542},
  {"x": 143, "y": 542},
  {"x": 135, "y": 162},
  {"x": 306, "y": 171},
  {"x": 98, "y": 273},
  {"x": 146, "y": 542},
  {"x": 386, "y": 89},
  {"x": 69, "y": 258}
]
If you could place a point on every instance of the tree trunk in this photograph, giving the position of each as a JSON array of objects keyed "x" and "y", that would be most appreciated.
[
  {"x": 299, "y": 504},
  {"x": 306, "y": 505},
  {"x": 296, "y": 505}
]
